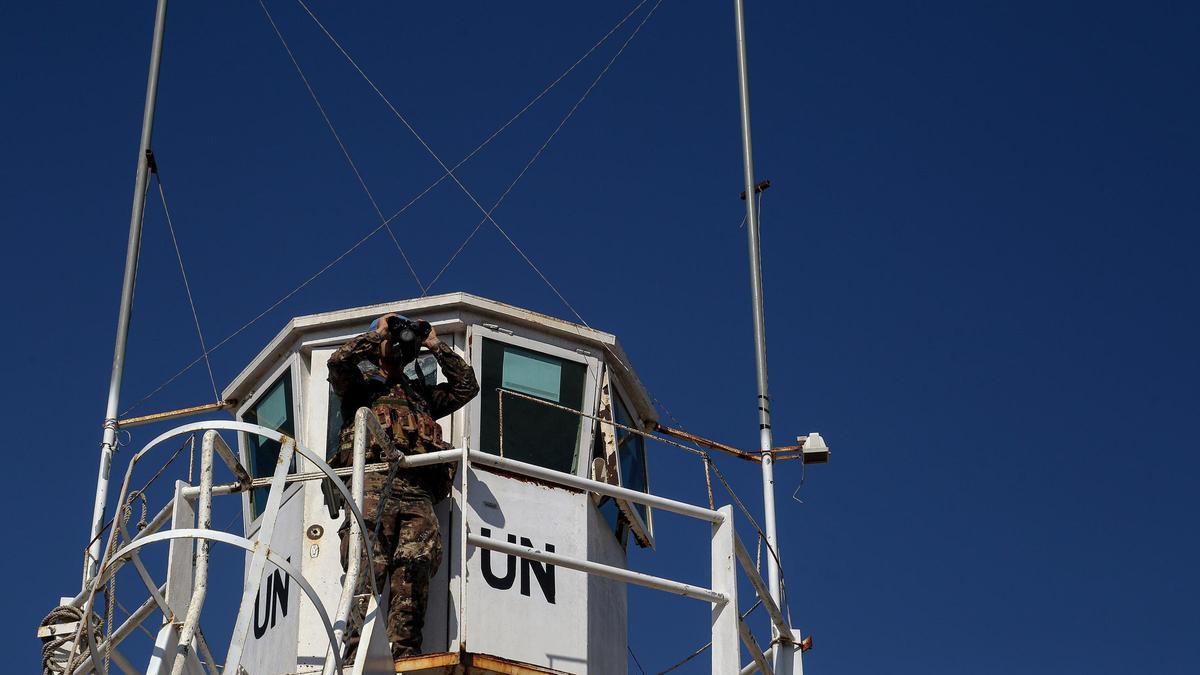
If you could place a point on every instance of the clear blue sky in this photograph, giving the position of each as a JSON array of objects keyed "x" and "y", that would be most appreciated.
[{"x": 979, "y": 268}]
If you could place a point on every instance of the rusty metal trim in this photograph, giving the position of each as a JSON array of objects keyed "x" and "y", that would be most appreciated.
[
  {"x": 425, "y": 663},
  {"x": 706, "y": 442},
  {"x": 471, "y": 663},
  {"x": 489, "y": 664},
  {"x": 180, "y": 412}
]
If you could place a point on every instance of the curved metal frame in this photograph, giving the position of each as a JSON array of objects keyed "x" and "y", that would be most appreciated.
[
  {"x": 252, "y": 546},
  {"x": 106, "y": 569}
]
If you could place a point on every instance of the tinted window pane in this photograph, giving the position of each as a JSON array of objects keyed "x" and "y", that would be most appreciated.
[
  {"x": 532, "y": 374},
  {"x": 273, "y": 410},
  {"x": 334, "y": 430},
  {"x": 533, "y": 432},
  {"x": 631, "y": 451}
]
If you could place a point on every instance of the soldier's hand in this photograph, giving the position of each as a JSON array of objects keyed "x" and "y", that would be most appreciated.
[
  {"x": 382, "y": 327},
  {"x": 385, "y": 345},
  {"x": 431, "y": 340}
]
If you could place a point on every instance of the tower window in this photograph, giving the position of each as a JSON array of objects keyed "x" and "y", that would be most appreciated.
[
  {"x": 533, "y": 432},
  {"x": 272, "y": 410}
]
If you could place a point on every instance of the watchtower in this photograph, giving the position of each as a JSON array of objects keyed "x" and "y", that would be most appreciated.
[
  {"x": 552, "y": 488},
  {"x": 537, "y": 375}
]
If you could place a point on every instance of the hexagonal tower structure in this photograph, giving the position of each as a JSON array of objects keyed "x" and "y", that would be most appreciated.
[{"x": 546, "y": 387}]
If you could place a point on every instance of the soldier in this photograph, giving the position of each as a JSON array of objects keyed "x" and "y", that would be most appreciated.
[{"x": 368, "y": 371}]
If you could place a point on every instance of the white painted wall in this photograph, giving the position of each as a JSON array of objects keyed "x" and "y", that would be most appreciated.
[
  {"x": 607, "y": 603},
  {"x": 583, "y": 630},
  {"x": 509, "y": 612},
  {"x": 274, "y": 627}
]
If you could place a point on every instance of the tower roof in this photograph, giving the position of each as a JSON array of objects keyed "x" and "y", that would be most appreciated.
[{"x": 464, "y": 308}]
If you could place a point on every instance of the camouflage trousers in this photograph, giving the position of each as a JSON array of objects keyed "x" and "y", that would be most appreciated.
[{"x": 406, "y": 555}]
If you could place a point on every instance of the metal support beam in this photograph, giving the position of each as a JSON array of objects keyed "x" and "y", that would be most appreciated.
[
  {"x": 726, "y": 655},
  {"x": 756, "y": 653},
  {"x": 191, "y": 620},
  {"x": 365, "y": 425},
  {"x": 782, "y": 656},
  {"x": 781, "y": 627},
  {"x": 176, "y": 414},
  {"x": 135, "y": 619},
  {"x": 752, "y": 667},
  {"x": 108, "y": 444}
]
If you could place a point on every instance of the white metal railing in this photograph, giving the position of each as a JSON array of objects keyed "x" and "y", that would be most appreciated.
[
  {"x": 182, "y": 638},
  {"x": 727, "y": 627}
]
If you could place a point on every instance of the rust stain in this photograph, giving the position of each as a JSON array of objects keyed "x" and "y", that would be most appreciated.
[
  {"x": 486, "y": 664},
  {"x": 526, "y": 479}
]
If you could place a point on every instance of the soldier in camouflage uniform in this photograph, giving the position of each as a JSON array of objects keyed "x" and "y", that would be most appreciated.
[{"x": 368, "y": 372}]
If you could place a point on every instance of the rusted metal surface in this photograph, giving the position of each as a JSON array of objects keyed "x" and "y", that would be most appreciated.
[
  {"x": 706, "y": 442},
  {"x": 786, "y": 452},
  {"x": 429, "y": 664},
  {"x": 759, "y": 187},
  {"x": 486, "y": 664},
  {"x": 172, "y": 414},
  {"x": 612, "y": 460},
  {"x": 468, "y": 663},
  {"x": 513, "y": 475},
  {"x": 779, "y": 454}
]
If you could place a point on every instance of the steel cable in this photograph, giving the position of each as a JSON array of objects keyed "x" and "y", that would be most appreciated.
[
  {"x": 395, "y": 215},
  {"x": 488, "y": 215},
  {"x": 187, "y": 287},
  {"x": 338, "y": 138}
]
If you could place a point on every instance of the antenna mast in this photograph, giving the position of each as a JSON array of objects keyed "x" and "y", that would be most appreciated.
[
  {"x": 141, "y": 184},
  {"x": 783, "y": 653}
]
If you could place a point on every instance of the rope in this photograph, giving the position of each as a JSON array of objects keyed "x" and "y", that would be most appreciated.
[
  {"x": 110, "y": 592},
  {"x": 538, "y": 154},
  {"x": 55, "y": 657},
  {"x": 187, "y": 287},
  {"x": 287, "y": 296},
  {"x": 345, "y": 152}
]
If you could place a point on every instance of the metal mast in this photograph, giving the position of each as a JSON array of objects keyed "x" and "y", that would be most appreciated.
[
  {"x": 783, "y": 653},
  {"x": 141, "y": 184}
]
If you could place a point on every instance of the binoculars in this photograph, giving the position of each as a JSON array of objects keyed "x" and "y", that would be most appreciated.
[{"x": 407, "y": 335}]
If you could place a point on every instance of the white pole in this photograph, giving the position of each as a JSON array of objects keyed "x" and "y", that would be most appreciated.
[
  {"x": 760, "y": 338},
  {"x": 141, "y": 183}
]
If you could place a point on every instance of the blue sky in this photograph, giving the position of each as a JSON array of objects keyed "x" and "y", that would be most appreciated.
[{"x": 978, "y": 265}]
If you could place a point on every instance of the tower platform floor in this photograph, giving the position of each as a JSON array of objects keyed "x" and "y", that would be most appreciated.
[{"x": 467, "y": 663}]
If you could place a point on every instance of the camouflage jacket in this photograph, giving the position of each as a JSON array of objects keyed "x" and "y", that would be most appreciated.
[{"x": 407, "y": 409}]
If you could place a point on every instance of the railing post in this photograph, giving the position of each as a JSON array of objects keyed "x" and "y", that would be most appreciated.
[
  {"x": 191, "y": 620},
  {"x": 366, "y": 427},
  {"x": 726, "y": 657},
  {"x": 179, "y": 556}
]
